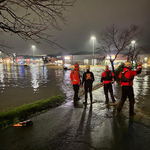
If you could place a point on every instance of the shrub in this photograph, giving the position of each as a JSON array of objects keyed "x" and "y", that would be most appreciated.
[{"x": 118, "y": 70}]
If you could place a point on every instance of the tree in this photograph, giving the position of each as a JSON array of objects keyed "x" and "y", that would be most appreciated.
[
  {"x": 114, "y": 39},
  {"x": 133, "y": 51},
  {"x": 30, "y": 19},
  {"x": 4, "y": 46}
]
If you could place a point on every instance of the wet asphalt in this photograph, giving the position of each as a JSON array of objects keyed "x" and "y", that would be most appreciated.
[{"x": 69, "y": 127}]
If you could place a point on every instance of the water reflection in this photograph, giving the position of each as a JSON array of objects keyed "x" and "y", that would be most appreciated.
[
  {"x": 25, "y": 84},
  {"x": 34, "y": 77},
  {"x": 1, "y": 73}
]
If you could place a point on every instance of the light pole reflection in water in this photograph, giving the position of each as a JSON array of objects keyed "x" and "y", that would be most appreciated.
[
  {"x": 34, "y": 69},
  {"x": 1, "y": 73},
  {"x": 44, "y": 74}
]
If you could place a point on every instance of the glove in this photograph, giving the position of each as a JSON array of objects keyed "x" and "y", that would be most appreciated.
[{"x": 140, "y": 65}]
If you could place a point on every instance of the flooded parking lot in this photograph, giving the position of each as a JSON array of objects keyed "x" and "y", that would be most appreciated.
[
  {"x": 25, "y": 84},
  {"x": 69, "y": 127}
]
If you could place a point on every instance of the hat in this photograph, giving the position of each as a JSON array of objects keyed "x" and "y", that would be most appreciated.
[
  {"x": 127, "y": 64},
  {"x": 76, "y": 65},
  {"x": 87, "y": 67}
]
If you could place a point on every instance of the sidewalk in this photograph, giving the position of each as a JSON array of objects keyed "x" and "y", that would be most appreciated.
[{"x": 75, "y": 128}]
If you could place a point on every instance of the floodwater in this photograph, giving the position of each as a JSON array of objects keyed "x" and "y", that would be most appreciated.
[{"x": 25, "y": 84}]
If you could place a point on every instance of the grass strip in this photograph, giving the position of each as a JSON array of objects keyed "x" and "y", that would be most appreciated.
[{"x": 21, "y": 113}]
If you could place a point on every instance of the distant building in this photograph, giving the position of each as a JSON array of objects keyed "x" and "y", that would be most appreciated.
[{"x": 98, "y": 59}]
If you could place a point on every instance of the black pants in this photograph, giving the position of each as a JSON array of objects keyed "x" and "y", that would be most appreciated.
[
  {"x": 88, "y": 87},
  {"x": 127, "y": 91},
  {"x": 76, "y": 91},
  {"x": 108, "y": 87}
]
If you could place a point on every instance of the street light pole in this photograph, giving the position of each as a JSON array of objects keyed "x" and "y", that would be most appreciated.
[
  {"x": 133, "y": 43},
  {"x": 33, "y": 47},
  {"x": 93, "y": 38}
]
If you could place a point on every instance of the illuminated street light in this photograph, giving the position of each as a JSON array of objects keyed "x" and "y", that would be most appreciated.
[
  {"x": 133, "y": 42},
  {"x": 93, "y": 38}
]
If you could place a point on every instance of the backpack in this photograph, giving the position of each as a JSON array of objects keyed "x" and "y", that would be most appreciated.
[
  {"x": 108, "y": 76},
  {"x": 123, "y": 78}
]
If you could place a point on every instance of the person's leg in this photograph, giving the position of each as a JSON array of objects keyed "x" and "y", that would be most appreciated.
[
  {"x": 86, "y": 91},
  {"x": 78, "y": 91},
  {"x": 111, "y": 92},
  {"x": 75, "y": 88},
  {"x": 123, "y": 98},
  {"x": 106, "y": 93},
  {"x": 90, "y": 91},
  {"x": 132, "y": 101}
]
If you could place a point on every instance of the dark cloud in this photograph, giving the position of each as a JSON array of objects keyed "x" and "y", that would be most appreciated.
[{"x": 87, "y": 18}]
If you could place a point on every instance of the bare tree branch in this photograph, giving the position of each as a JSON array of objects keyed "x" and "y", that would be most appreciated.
[
  {"x": 114, "y": 39},
  {"x": 31, "y": 19}
]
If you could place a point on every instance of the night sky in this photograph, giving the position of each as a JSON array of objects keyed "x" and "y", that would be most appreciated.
[{"x": 87, "y": 18}]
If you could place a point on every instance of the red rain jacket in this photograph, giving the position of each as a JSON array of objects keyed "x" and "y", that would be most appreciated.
[
  {"x": 75, "y": 77},
  {"x": 130, "y": 75},
  {"x": 104, "y": 75}
]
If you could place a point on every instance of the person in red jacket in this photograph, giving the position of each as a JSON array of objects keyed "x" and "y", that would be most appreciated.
[
  {"x": 75, "y": 79},
  {"x": 107, "y": 78},
  {"x": 126, "y": 81}
]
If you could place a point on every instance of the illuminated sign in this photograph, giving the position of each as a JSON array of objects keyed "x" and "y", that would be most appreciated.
[
  {"x": 113, "y": 56},
  {"x": 67, "y": 57}
]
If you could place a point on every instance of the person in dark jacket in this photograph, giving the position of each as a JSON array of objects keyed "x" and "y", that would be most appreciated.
[
  {"x": 87, "y": 80},
  {"x": 126, "y": 81},
  {"x": 75, "y": 79},
  {"x": 107, "y": 78}
]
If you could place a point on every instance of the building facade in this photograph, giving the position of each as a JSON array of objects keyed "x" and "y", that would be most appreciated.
[{"x": 98, "y": 59}]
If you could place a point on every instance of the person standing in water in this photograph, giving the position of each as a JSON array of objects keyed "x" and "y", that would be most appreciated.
[
  {"x": 107, "y": 78},
  {"x": 126, "y": 81},
  {"x": 87, "y": 80},
  {"x": 75, "y": 79}
]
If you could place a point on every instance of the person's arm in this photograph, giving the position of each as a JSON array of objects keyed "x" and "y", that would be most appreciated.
[
  {"x": 71, "y": 76},
  {"x": 102, "y": 79},
  {"x": 93, "y": 79},
  {"x": 139, "y": 70}
]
